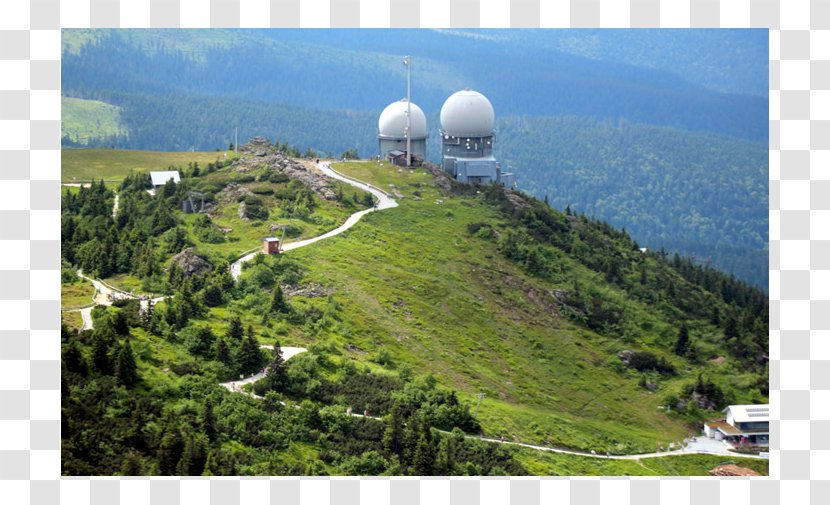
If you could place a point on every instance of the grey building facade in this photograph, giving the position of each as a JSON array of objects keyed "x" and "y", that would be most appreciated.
[{"x": 467, "y": 138}]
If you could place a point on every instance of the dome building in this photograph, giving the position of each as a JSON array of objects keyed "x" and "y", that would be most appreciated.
[
  {"x": 392, "y": 132},
  {"x": 467, "y": 137}
]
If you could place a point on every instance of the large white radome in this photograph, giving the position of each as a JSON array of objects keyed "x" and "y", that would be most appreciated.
[
  {"x": 392, "y": 121},
  {"x": 467, "y": 113}
]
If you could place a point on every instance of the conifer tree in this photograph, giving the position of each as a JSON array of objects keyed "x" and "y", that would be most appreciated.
[
  {"x": 393, "y": 434},
  {"x": 277, "y": 376},
  {"x": 209, "y": 420},
  {"x": 125, "y": 367},
  {"x": 424, "y": 460},
  {"x": 102, "y": 340},
  {"x": 682, "y": 344},
  {"x": 235, "y": 330},
  {"x": 170, "y": 451},
  {"x": 249, "y": 357},
  {"x": 278, "y": 303},
  {"x": 223, "y": 353}
]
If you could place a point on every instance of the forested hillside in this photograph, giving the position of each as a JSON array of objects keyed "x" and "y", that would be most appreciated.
[
  {"x": 700, "y": 194},
  {"x": 575, "y": 337},
  {"x": 579, "y": 119}
]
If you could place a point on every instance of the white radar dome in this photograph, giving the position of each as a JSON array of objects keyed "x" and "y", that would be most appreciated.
[
  {"x": 467, "y": 113},
  {"x": 392, "y": 121}
]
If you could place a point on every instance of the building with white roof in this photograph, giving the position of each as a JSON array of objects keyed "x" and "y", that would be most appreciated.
[
  {"x": 160, "y": 178},
  {"x": 744, "y": 424},
  {"x": 392, "y": 125}
]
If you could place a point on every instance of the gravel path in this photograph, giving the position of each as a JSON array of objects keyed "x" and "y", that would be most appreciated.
[
  {"x": 287, "y": 353},
  {"x": 86, "y": 315},
  {"x": 384, "y": 201}
]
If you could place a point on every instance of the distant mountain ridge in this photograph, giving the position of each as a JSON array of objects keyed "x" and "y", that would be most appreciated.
[{"x": 321, "y": 68}]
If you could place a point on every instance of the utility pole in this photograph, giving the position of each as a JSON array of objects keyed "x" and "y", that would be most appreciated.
[
  {"x": 408, "y": 62},
  {"x": 480, "y": 397},
  {"x": 236, "y": 141}
]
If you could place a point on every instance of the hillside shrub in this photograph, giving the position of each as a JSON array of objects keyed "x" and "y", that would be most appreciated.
[{"x": 644, "y": 361}]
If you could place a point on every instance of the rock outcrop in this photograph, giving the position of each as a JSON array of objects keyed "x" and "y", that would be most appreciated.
[
  {"x": 191, "y": 263},
  {"x": 260, "y": 151}
]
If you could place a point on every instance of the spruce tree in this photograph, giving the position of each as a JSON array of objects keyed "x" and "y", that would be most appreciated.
[
  {"x": 277, "y": 376},
  {"x": 223, "y": 353},
  {"x": 682, "y": 344},
  {"x": 125, "y": 367},
  {"x": 235, "y": 330},
  {"x": 393, "y": 434},
  {"x": 249, "y": 357},
  {"x": 730, "y": 330},
  {"x": 209, "y": 420},
  {"x": 102, "y": 340},
  {"x": 278, "y": 303},
  {"x": 424, "y": 460},
  {"x": 170, "y": 451}
]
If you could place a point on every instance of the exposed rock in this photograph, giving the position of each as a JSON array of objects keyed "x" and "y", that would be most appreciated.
[
  {"x": 258, "y": 146},
  {"x": 241, "y": 211},
  {"x": 191, "y": 263},
  {"x": 226, "y": 230},
  {"x": 233, "y": 192},
  {"x": 442, "y": 180},
  {"x": 720, "y": 360},
  {"x": 560, "y": 295},
  {"x": 516, "y": 200},
  {"x": 733, "y": 470},
  {"x": 308, "y": 290},
  {"x": 625, "y": 356},
  {"x": 261, "y": 152}
]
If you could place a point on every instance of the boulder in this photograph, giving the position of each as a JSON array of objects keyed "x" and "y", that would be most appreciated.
[{"x": 191, "y": 263}]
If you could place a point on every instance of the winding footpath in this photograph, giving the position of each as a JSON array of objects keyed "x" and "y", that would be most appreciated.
[
  {"x": 384, "y": 201},
  {"x": 236, "y": 386}
]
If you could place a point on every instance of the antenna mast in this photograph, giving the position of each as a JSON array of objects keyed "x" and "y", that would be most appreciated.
[
  {"x": 236, "y": 141},
  {"x": 408, "y": 62}
]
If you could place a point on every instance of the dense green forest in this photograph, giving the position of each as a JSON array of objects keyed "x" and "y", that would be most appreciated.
[
  {"x": 141, "y": 391},
  {"x": 702, "y": 195},
  {"x": 278, "y": 67},
  {"x": 613, "y": 139}
]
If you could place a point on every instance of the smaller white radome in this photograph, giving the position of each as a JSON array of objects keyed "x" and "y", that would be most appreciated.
[
  {"x": 392, "y": 121},
  {"x": 467, "y": 113}
]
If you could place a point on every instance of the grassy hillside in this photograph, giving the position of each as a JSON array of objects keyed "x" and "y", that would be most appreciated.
[
  {"x": 412, "y": 314},
  {"x": 115, "y": 164},
  {"x": 417, "y": 284},
  {"x": 83, "y": 121}
]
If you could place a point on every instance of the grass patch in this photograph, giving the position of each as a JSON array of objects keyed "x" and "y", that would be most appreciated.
[
  {"x": 83, "y": 120},
  {"x": 78, "y": 165},
  {"x": 76, "y": 294},
  {"x": 550, "y": 463},
  {"x": 125, "y": 282},
  {"x": 72, "y": 319}
]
